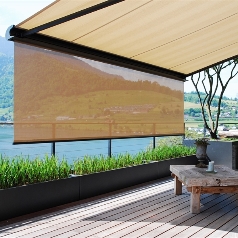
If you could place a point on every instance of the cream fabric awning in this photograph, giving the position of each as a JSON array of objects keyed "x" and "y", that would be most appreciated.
[{"x": 184, "y": 36}]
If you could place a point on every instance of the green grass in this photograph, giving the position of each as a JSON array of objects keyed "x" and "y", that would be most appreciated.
[
  {"x": 90, "y": 165},
  {"x": 194, "y": 124},
  {"x": 21, "y": 170},
  {"x": 188, "y": 105}
]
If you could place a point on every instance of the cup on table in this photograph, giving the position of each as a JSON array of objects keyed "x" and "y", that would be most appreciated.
[{"x": 210, "y": 166}]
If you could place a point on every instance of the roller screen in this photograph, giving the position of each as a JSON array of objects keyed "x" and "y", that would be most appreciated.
[{"x": 60, "y": 97}]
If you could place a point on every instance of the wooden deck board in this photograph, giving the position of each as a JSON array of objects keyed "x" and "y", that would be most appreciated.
[
  {"x": 116, "y": 214},
  {"x": 200, "y": 222},
  {"x": 123, "y": 214},
  {"x": 151, "y": 210},
  {"x": 142, "y": 214},
  {"x": 228, "y": 226},
  {"x": 168, "y": 221},
  {"x": 233, "y": 233},
  {"x": 190, "y": 220},
  {"x": 85, "y": 211}
]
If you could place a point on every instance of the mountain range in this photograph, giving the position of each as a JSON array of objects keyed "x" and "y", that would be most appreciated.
[
  {"x": 71, "y": 71},
  {"x": 6, "y": 47},
  {"x": 6, "y": 78},
  {"x": 69, "y": 74}
]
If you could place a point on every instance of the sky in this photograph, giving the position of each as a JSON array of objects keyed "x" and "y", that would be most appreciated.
[
  {"x": 135, "y": 75},
  {"x": 13, "y": 12}
]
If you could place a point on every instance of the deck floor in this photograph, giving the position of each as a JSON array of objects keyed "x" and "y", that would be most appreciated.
[{"x": 149, "y": 210}]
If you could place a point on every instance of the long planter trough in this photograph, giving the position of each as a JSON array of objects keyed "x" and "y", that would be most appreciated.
[
  {"x": 23, "y": 200},
  {"x": 109, "y": 181}
]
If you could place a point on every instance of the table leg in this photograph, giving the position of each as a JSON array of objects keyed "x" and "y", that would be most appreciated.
[
  {"x": 177, "y": 186},
  {"x": 195, "y": 199}
]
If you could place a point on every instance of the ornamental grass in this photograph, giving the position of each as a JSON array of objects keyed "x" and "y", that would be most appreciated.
[
  {"x": 20, "y": 170},
  {"x": 94, "y": 164}
]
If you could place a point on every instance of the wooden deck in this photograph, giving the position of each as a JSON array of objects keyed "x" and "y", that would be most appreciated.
[{"x": 149, "y": 210}]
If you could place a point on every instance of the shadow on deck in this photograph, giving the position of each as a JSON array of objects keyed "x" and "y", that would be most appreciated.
[{"x": 147, "y": 210}]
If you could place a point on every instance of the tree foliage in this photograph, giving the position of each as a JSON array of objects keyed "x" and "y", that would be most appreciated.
[
  {"x": 214, "y": 84},
  {"x": 193, "y": 98},
  {"x": 6, "y": 87}
]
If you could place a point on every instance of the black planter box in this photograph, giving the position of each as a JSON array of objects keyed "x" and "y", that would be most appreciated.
[
  {"x": 109, "y": 181},
  {"x": 23, "y": 200},
  {"x": 35, "y": 197},
  {"x": 165, "y": 164}
]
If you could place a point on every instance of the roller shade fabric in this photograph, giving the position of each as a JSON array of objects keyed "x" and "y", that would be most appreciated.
[{"x": 59, "y": 97}]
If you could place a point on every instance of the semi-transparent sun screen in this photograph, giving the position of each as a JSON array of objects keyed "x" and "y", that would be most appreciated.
[{"x": 60, "y": 97}]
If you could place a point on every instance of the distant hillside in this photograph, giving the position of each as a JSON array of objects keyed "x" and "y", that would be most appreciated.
[
  {"x": 6, "y": 47},
  {"x": 188, "y": 105},
  {"x": 71, "y": 71},
  {"x": 6, "y": 79},
  {"x": 192, "y": 97},
  {"x": 192, "y": 108},
  {"x": 70, "y": 68},
  {"x": 54, "y": 73}
]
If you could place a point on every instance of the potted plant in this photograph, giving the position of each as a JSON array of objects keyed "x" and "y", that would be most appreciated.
[{"x": 201, "y": 151}]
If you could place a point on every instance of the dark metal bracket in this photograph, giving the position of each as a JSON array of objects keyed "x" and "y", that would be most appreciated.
[{"x": 71, "y": 17}]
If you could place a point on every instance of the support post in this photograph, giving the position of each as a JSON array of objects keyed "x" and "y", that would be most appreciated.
[
  {"x": 53, "y": 148},
  {"x": 110, "y": 148},
  {"x": 153, "y": 142}
]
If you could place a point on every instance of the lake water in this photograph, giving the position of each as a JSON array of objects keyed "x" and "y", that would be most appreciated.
[{"x": 69, "y": 150}]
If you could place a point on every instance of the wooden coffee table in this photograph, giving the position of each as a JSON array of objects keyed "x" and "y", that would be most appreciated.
[{"x": 198, "y": 181}]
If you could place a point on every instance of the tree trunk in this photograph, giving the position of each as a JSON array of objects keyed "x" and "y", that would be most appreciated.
[
  {"x": 213, "y": 135},
  {"x": 214, "y": 79}
]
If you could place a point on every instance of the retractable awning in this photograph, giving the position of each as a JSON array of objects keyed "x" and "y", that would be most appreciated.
[{"x": 170, "y": 37}]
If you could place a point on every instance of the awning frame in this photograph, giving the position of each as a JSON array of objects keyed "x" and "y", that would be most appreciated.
[
  {"x": 40, "y": 40},
  {"x": 71, "y": 16},
  {"x": 32, "y": 36}
]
